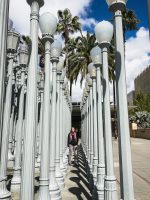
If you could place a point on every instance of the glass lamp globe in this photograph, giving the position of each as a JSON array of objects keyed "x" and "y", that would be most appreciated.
[
  {"x": 96, "y": 56},
  {"x": 10, "y": 24},
  {"x": 110, "y": 2},
  {"x": 40, "y": 2},
  {"x": 48, "y": 23},
  {"x": 12, "y": 41},
  {"x": 23, "y": 55},
  {"x": 90, "y": 67},
  {"x": 92, "y": 70},
  {"x": 89, "y": 80},
  {"x": 56, "y": 49},
  {"x": 63, "y": 74},
  {"x": 87, "y": 87},
  {"x": 104, "y": 32},
  {"x": 60, "y": 64},
  {"x": 115, "y": 5}
]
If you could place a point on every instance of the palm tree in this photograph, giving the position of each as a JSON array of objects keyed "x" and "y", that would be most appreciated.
[
  {"x": 130, "y": 21},
  {"x": 67, "y": 25},
  {"x": 79, "y": 55}
]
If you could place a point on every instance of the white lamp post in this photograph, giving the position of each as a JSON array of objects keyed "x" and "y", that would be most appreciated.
[
  {"x": 148, "y": 5},
  {"x": 41, "y": 93},
  {"x": 97, "y": 60},
  {"x": 92, "y": 72},
  {"x": 92, "y": 130},
  {"x": 127, "y": 191},
  {"x": 62, "y": 167},
  {"x": 56, "y": 49},
  {"x": 65, "y": 160},
  {"x": 12, "y": 44},
  {"x": 58, "y": 173},
  {"x": 23, "y": 60},
  {"x": 48, "y": 24},
  {"x": 28, "y": 164},
  {"x": 104, "y": 33},
  {"x": 89, "y": 82},
  {"x": 4, "y": 8}
]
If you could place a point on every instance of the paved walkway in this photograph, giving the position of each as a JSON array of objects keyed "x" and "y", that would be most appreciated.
[
  {"x": 141, "y": 166},
  {"x": 77, "y": 186},
  {"x": 76, "y": 181}
]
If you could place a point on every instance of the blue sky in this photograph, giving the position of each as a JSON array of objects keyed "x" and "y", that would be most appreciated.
[{"x": 99, "y": 10}]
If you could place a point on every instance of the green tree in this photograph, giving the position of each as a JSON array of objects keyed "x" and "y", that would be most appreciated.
[
  {"x": 67, "y": 24},
  {"x": 79, "y": 55}
]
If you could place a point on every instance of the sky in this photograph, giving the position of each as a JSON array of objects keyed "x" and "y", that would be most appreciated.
[{"x": 91, "y": 12}]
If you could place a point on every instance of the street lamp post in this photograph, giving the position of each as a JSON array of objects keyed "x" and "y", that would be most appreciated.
[
  {"x": 16, "y": 181},
  {"x": 12, "y": 45},
  {"x": 148, "y": 3},
  {"x": 28, "y": 164},
  {"x": 117, "y": 6},
  {"x": 58, "y": 173},
  {"x": 89, "y": 80},
  {"x": 104, "y": 34},
  {"x": 41, "y": 91},
  {"x": 56, "y": 49},
  {"x": 4, "y": 8},
  {"x": 48, "y": 24},
  {"x": 62, "y": 167},
  {"x": 97, "y": 60},
  {"x": 92, "y": 72},
  {"x": 10, "y": 146}
]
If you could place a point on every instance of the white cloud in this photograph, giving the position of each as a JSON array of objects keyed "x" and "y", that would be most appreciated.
[
  {"x": 77, "y": 90},
  {"x": 137, "y": 56},
  {"x": 20, "y": 11},
  {"x": 88, "y": 22}
]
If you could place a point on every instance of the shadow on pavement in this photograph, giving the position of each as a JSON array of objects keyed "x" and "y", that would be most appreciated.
[{"x": 81, "y": 178}]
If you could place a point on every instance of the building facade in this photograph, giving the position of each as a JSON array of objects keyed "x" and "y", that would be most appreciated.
[{"x": 142, "y": 82}]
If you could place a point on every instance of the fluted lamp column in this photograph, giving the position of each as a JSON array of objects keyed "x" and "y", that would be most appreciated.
[
  {"x": 97, "y": 60},
  {"x": 92, "y": 72},
  {"x": 41, "y": 91},
  {"x": 127, "y": 190},
  {"x": 58, "y": 173},
  {"x": 104, "y": 33},
  {"x": 89, "y": 82},
  {"x": 62, "y": 167},
  {"x": 12, "y": 44},
  {"x": 23, "y": 60},
  {"x": 28, "y": 164},
  {"x": 4, "y": 13},
  {"x": 48, "y": 24},
  {"x": 56, "y": 49}
]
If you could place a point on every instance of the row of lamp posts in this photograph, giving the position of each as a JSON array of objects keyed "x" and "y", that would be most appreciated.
[
  {"x": 18, "y": 129},
  {"x": 34, "y": 130},
  {"x": 96, "y": 113}
]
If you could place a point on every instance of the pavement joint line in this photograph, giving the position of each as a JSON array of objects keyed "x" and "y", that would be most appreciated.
[{"x": 144, "y": 179}]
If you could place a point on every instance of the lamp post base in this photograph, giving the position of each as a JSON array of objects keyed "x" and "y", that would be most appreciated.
[
  {"x": 60, "y": 180},
  {"x": 44, "y": 190},
  {"x": 53, "y": 187},
  {"x": 100, "y": 181},
  {"x": 54, "y": 192},
  {"x": 16, "y": 181},
  {"x": 4, "y": 193},
  {"x": 110, "y": 190}
]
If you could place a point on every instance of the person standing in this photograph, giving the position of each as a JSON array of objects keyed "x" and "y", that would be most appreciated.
[{"x": 72, "y": 144}]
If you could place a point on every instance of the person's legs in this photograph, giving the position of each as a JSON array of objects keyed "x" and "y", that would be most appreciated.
[
  {"x": 70, "y": 153},
  {"x": 75, "y": 153}
]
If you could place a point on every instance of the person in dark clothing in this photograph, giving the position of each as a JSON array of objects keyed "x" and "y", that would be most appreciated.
[{"x": 72, "y": 144}]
